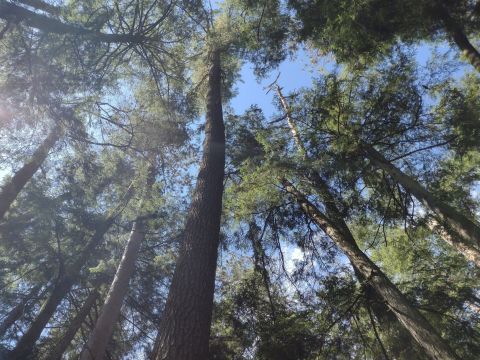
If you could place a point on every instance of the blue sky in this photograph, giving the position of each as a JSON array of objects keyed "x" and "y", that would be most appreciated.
[
  {"x": 300, "y": 72},
  {"x": 294, "y": 74}
]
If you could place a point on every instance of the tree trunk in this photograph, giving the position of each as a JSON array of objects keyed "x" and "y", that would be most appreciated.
[
  {"x": 102, "y": 332},
  {"x": 17, "y": 311},
  {"x": 43, "y": 6},
  {"x": 374, "y": 299},
  {"x": 11, "y": 11},
  {"x": 63, "y": 343},
  {"x": 468, "y": 242},
  {"x": 471, "y": 254},
  {"x": 457, "y": 34},
  {"x": 409, "y": 316},
  {"x": 13, "y": 187},
  {"x": 379, "y": 308},
  {"x": 185, "y": 326},
  {"x": 26, "y": 344}
]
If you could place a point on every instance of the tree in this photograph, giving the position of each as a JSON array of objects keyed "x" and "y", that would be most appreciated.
[
  {"x": 66, "y": 279},
  {"x": 11, "y": 189},
  {"x": 100, "y": 335},
  {"x": 461, "y": 232},
  {"x": 191, "y": 291},
  {"x": 333, "y": 224},
  {"x": 369, "y": 29},
  {"x": 61, "y": 346}
]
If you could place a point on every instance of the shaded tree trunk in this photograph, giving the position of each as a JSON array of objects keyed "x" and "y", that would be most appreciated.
[
  {"x": 12, "y": 12},
  {"x": 25, "y": 346},
  {"x": 63, "y": 343},
  {"x": 12, "y": 188},
  {"x": 409, "y": 316},
  {"x": 17, "y": 311},
  {"x": 102, "y": 332},
  {"x": 185, "y": 326},
  {"x": 468, "y": 242},
  {"x": 457, "y": 34}
]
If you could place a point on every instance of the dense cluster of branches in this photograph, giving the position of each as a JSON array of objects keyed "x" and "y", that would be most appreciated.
[{"x": 141, "y": 219}]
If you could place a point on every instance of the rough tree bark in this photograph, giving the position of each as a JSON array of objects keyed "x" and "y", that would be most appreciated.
[
  {"x": 101, "y": 333},
  {"x": 62, "y": 344},
  {"x": 12, "y": 188},
  {"x": 185, "y": 327},
  {"x": 409, "y": 316},
  {"x": 25, "y": 346},
  {"x": 465, "y": 231}
]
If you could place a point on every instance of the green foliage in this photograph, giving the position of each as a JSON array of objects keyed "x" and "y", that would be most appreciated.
[{"x": 364, "y": 30}]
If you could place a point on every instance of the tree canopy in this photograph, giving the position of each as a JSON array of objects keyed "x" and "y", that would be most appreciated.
[{"x": 143, "y": 215}]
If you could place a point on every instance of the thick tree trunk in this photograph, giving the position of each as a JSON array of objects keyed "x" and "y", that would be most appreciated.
[
  {"x": 17, "y": 311},
  {"x": 26, "y": 344},
  {"x": 12, "y": 12},
  {"x": 409, "y": 316},
  {"x": 100, "y": 335},
  {"x": 13, "y": 187},
  {"x": 185, "y": 327},
  {"x": 469, "y": 240},
  {"x": 457, "y": 34},
  {"x": 63, "y": 343}
]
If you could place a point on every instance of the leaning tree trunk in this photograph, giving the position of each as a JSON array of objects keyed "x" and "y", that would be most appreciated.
[
  {"x": 465, "y": 231},
  {"x": 62, "y": 344},
  {"x": 12, "y": 188},
  {"x": 409, "y": 316},
  {"x": 457, "y": 34},
  {"x": 64, "y": 283},
  {"x": 185, "y": 325},
  {"x": 17, "y": 311},
  {"x": 100, "y": 335},
  {"x": 379, "y": 308},
  {"x": 374, "y": 281},
  {"x": 454, "y": 240}
]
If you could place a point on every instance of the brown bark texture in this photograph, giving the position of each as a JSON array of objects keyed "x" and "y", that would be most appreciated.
[{"x": 185, "y": 326}]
